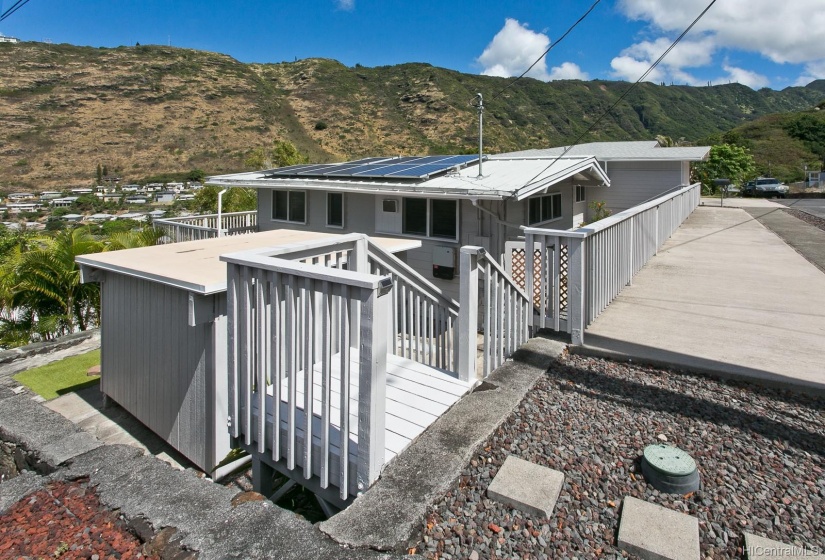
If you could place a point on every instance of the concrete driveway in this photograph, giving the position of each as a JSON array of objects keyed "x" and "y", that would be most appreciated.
[{"x": 724, "y": 295}]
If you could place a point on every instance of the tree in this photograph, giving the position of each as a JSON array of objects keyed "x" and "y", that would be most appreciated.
[
  {"x": 196, "y": 175},
  {"x": 725, "y": 161},
  {"x": 99, "y": 174},
  {"x": 281, "y": 154},
  {"x": 236, "y": 199}
]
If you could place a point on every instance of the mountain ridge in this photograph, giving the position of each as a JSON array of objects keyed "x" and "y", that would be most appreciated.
[{"x": 145, "y": 111}]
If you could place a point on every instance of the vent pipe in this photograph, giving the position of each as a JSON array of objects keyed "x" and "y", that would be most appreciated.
[{"x": 480, "y": 132}]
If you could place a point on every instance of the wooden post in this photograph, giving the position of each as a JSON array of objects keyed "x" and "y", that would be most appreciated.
[
  {"x": 575, "y": 289},
  {"x": 528, "y": 277},
  {"x": 372, "y": 384},
  {"x": 358, "y": 261},
  {"x": 468, "y": 313}
]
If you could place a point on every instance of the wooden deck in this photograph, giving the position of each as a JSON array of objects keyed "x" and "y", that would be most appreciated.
[{"x": 417, "y": 395}]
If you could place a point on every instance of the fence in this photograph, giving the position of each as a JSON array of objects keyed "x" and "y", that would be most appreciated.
[
  {"x": 291, "y": 369},
  {"x": 507, "y": 312},
  {"x": 601, "y": 259},
  {"x": 194, "y": 228}
]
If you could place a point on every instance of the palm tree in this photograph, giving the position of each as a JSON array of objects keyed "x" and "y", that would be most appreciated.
[{"x": 132, "y": 239}]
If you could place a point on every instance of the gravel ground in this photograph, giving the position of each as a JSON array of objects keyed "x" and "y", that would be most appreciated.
[
  {"x": 815, "y": 221},
  {"x": 761, "y": 455}
]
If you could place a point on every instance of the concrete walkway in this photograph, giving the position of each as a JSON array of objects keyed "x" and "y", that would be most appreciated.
[{"x": 724, "y": 295}]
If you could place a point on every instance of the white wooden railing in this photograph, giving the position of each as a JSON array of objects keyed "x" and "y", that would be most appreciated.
[
  {"x": 423, "y": 324},
  {"x": 507, "y": 313},
  {"x": 193, "y": 228},
  {"x": 601, "y": 259},
  {"x": 293, "y": 354}
]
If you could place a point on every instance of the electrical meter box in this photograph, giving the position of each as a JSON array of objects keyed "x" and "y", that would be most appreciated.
[{"x": 443, "y": 262}]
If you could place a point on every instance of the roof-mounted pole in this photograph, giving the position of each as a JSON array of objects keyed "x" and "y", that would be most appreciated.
[{"x": 480, "y": 131}]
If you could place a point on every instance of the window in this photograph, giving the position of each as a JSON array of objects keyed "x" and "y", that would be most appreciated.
[
  {"x": 544, "y": 208},
  {"x": 579, "y": 193},
  {"x": 415, "y": 216},
  {"x": 389, "y": 205},
  {"x": 289, "y": 206},
  {"x": 335, "y": 210},
  {"x": 430, "y": 218}
]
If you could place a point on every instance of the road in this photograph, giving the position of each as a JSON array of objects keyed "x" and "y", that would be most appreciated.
[{"x": 815, "y": 206}]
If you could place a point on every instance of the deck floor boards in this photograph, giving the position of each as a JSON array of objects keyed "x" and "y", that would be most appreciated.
[{"x": 417, "y": 395}]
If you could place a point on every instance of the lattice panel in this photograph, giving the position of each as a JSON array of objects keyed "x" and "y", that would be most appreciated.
[{"x": 519, "y": 273}]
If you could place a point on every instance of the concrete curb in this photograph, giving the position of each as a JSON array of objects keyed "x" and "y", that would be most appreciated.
[
  {"x": 47, "y": 347},
  {"x": 595, "y": 352},
  {"x": 387, "y": 516}
]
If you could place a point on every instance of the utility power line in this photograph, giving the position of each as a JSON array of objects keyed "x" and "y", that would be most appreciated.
[
  {"x": 14, "y": 7},
  {"x": 621, "y": 97}
]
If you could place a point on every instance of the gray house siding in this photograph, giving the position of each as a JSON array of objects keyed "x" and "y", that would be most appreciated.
[
  {"x": 162, "y": 371},
  {"x": 363, "y": 214},
  {"x": 634, "y": 182}
]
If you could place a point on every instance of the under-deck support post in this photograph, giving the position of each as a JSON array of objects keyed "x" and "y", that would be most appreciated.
[
  {"x": 468, "y": 313},
  {"x": 262, "y": 476}
]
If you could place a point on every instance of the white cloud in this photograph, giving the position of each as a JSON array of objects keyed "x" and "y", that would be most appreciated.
[
  {"x": 813, "y": 71},
  {"x": 568, "y": 71},
  {"x": 630, "y": 69},
  {"x": 744, "y": 77},
  {"x": 346, "y": 5},
  {"x": 513, "y": 50},
  {"x": 787, "y": 31},
  {"x": 634, "y": 61},
  {"x": 516, "y": 47}
]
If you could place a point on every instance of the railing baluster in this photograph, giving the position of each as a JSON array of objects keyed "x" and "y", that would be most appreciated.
[
  {"x": 291, "y": 368},
  {"x": 344, "y": 390},
  {"x": 276, "y": 321},
  {"x": 326, "y": 379},
  {"x": 309, "y": 362}
]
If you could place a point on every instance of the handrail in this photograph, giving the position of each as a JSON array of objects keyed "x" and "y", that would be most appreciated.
[
  {"x": 483, "y": 254},
  {"x": 183, "y": 219},
  {"x": 400, "y": 268}
]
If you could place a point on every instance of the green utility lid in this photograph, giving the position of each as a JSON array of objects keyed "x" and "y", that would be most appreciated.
[{"x": 669, "y": 460}]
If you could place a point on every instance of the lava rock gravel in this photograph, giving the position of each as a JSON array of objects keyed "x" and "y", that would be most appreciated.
[
  {"x": 815, "y": 221},
  {"x": 760, "y": 453}
]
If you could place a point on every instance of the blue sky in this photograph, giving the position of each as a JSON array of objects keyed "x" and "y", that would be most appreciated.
[{"x": 760, "y": 43}]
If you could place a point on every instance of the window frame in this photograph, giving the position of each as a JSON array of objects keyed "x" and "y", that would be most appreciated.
[
  {"x": 540, "y": 200},
  {"x": 429, "y": 219},
  {"x": 583, "y": 197},
  {"x": 343, "y": 210},
  {"x": 289, "y": 193}
]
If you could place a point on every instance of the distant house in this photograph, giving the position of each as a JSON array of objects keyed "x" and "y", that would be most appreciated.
[
  {"x": 186, "y": 196},
  {"x": 135, "y": 200},
  {"x": 130, "y": 188},
  {"x": 6, "y": 39},
  {"x": 137, "y": 216},
  {"x": 101, "y": 217},
  {"x": 72, "y": 217},
  {"x": 17, "y": 207},
  {"x": 63, "y": 202},
  {"x": 80, "y": 191},
  {"x": 50, "y": 195},
  {"x": 445, "y": 201},
  {"x": 17, "y": 197},
  {"x": 157, "y": 214},
  {"x": 638, "y": 171},
  {"x": 165, "y": 196}
]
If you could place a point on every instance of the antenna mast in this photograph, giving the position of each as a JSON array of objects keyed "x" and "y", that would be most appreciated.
[{"x": 480, "y": 131}]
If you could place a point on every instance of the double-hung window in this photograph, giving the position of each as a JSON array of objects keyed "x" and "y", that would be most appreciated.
[
  {"x": 544, "y": 208},
  {"x": 430, "y": 218},
  {"x": 289, "y": 206},
  {"x": 580, "y": 195}
]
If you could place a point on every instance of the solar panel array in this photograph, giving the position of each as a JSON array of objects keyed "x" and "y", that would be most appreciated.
[{"x": 403, "y": 168}]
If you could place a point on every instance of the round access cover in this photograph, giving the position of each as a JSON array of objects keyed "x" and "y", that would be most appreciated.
[
  {"x": 669, "y": 460},
  {"x": 669, "y": 469}
]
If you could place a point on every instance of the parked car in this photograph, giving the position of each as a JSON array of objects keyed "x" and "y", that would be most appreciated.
[{"x": 765, "y": 186}]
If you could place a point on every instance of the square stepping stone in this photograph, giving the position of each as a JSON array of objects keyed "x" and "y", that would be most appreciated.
[
  {"x": 526, "y": 486},
  {"x": 760, "y": 547},
  {"x": 653, "y": 532}
]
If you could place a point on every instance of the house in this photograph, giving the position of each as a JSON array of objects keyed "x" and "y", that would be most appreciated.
[
  {"x": 101, "y": 217},
  {"x": 130, "y": 188},
  {"x": 155, "y": 214},
  {"x": 638, "y": 171},
  {"x": 444, "y": 201},
  {"x": 17, "y": 197},
  {"x": 17, "y": 207},
  {"x": 165, "y": 196},
  {"x": 137, "y": 216},
  {"x": 80, "y": 191},
  {"x": 50, "y": 195},
  {"x": 72, "y": 217},
  {"x": 135, "y": 199},
  {"x": 63, "y": 202},
  {"x": 186, "y": 196}
]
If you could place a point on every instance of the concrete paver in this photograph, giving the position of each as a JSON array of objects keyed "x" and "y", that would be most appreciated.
[
  {"x": 526, "y": 486},
  {"x": 760, "y": 547},
  {"x": 653, "y": 532},
  {"x": 724, "y": 295}
]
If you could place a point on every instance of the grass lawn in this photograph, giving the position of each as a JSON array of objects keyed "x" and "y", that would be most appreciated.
[{"x": 64, "y": 376}]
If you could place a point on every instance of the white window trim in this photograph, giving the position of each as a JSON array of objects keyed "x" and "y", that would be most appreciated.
[
  {"x": 343, "y": 210},
  {"x": 429, "y": 235},
  {"x": 272, "y": 201}
]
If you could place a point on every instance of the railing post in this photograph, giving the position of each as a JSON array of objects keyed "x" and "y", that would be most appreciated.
[
  {"x": 468, "y": 313},
  {"x": 576, "y": 289},
  {"x": 358, "y": 261},
  {"x": 372, "y": 383},
  {"x": 529, "y": 275}
]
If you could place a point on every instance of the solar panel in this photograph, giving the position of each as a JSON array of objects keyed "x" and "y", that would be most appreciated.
[{"x": 406, "y": 168}]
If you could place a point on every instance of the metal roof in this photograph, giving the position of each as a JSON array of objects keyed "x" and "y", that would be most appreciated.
[
  {"x": 503, "y": 177},
  {"x": 646, "y": 150}
]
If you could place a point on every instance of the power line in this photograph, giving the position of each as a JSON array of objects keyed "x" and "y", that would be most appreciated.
[
  {"x": 16, "y": 6},
  {"x": 621, "y": 97},
  {"x": 553, "y": 44}
]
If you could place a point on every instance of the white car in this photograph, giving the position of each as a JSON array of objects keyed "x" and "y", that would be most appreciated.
[{"x": 765, "y": 186}]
